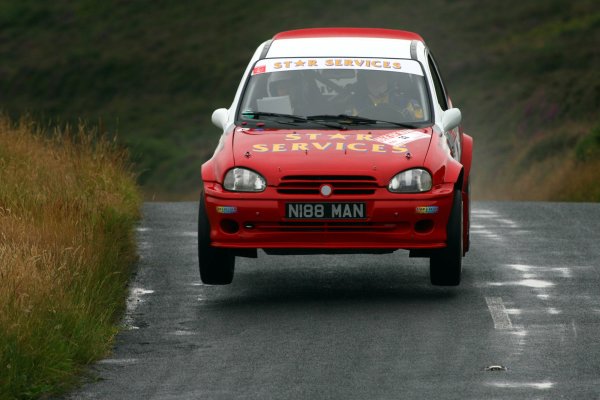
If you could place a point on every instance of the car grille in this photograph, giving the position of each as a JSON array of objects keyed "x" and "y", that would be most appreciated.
[{"x": 341, "y": 184}]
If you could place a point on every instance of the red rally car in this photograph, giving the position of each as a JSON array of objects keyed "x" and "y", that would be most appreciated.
[{"x": 338, "y": 140}]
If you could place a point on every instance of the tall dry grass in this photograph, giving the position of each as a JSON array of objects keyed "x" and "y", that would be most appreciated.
[{"x": 68, "y": 206}]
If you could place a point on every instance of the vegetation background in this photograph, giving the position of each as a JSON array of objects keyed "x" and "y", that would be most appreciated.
[
  {"x": 68, "y": 208},
  {"x": 526, "y": 75}
]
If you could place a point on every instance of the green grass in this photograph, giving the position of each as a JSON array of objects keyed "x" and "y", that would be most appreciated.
[
  {"x": 68, "y": 206},
  {"x": 588, "y": 147},
  {"x": 154, "y": 72}
]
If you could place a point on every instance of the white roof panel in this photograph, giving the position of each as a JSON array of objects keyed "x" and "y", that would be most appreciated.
[{"x": 339, "y": 47}]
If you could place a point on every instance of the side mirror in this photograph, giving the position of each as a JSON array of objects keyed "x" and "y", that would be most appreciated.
[
  {"x": 451, "y": 119},
  {"x": 219, "y": 117}
]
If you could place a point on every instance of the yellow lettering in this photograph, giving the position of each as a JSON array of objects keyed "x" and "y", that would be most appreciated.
[
  {"x": 329, "y": 63},
  {"x": 364, "y": 136},
  {"x": 396, "y": 65},
  {"x": 279, "y": 147},
  {"x": 376, "y": 64},
  {"x": 277, "y": 65},
  {"x": 337, "y": 136},
  {"x": 321, "y": 146},
  {"x": 299, "y": 63},
  {"x": 347, "y": 63},
  {"x": 260, "y": 148},
  {"x": 299, "y": 146},
  {"x": 353, "y": 146},
  {"x": 378, "y": 148},
  {"x": 313, "y": 136},
  {"x": 359, "y": 63},
  {"x": 338, "y": 63},
  {"x": 340, "y": 146},
  {"x": 386, "y": 64},
  {"x": 287, "y": 63},
  {"x": 312, "y": 63},
  {"x": 292, "y": 136}
]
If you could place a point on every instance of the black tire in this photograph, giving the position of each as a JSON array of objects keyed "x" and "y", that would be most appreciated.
[
  {"x": 467, "y": 215},
  {"x": 217, "y": 266},
  {"x": 445, "y": 267}
]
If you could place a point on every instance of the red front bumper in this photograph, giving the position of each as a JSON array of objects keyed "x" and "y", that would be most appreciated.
[{"x": 394, "y": 221}]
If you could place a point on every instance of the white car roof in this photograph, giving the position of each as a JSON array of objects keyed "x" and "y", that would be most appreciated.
[{"x": 340, "y": 47}]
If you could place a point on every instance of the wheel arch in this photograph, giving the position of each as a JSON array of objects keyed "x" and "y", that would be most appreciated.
[{"x": 466, "y": 158}]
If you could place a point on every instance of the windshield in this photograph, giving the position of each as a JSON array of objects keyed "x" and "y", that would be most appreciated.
[{"x": 381, "y": 90}]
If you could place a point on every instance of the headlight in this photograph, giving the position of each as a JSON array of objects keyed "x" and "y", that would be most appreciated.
[
  {"x": 244, "y": 180},
  {"x": 411, "y": 181}
]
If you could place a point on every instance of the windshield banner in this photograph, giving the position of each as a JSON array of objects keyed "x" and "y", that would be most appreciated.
[{"x": 383, "y": 64}]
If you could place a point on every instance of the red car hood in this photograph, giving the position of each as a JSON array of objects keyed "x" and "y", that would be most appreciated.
[{"x": 380, "y": 153}]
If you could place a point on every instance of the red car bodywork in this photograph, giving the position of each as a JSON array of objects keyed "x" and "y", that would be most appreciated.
[{"x": 394, "y": 221}]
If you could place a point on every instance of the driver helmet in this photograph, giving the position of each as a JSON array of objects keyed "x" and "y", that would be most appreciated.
[{"x": 377, "y": 83}]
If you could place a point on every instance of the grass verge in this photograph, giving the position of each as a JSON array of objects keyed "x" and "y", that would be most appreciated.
[{"x": 68, "y": 206}]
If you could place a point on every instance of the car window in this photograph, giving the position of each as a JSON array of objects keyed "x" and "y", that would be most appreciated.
[
  {"x": 382, "y": 89},
  {"x": 437, "y": 82}
]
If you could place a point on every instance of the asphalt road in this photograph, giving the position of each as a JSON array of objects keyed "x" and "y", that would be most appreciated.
[{"x": 366, "y": 327}]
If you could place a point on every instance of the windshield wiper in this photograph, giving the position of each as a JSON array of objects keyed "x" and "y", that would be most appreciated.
[
  {"x": 358, "y": 120},
  {"x": 262, "y": 114},
  {"x": 294, "y": 118}
]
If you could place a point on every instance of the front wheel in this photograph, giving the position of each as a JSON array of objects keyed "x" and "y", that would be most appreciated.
[
  {"x": 217, "y": 266},
  {"x": 445, "y": 267}
]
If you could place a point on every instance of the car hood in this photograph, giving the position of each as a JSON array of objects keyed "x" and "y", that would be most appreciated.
[{"x": 379, "y": 153}]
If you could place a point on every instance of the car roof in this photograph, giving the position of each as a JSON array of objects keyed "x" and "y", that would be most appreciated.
[
  {"x": 348, "y": 32},
  {"x": 342, "y": 42}
]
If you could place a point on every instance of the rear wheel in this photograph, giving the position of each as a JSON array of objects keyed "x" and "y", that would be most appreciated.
[
  {"x": 217, "y": 265},
  {"x": 445, "y": 267}
]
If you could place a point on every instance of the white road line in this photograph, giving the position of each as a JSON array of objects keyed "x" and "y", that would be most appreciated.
[
  {"x": 523, "y": 385},
  {"x": 118, "y": 361},
  {"x": 499, "y": 313}
]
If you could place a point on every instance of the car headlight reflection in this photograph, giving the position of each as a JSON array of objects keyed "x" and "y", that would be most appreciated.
[
  {"x": 411, "y": 181},
  {"x": 244, "y": 180}
]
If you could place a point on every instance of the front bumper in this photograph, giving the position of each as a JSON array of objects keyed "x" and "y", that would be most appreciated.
[{"x": 394, "y": 221}]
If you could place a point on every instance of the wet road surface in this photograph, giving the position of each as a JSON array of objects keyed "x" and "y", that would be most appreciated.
[{"x": 366, "y": 326}]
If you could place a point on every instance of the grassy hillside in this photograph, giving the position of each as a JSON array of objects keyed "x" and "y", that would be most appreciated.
[
  {"x": 525, "y": 74},
  {"x": 68, "y": 205}
]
